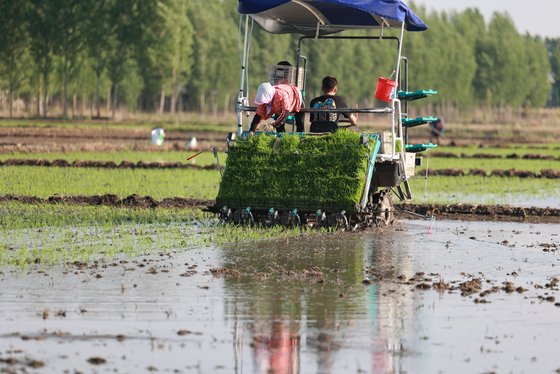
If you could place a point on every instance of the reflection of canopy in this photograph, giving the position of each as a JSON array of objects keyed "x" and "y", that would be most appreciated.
[{"x": 305, "y": 16}]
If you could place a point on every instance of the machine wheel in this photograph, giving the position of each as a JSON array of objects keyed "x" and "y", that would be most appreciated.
[{"x": 382, "y": 208}]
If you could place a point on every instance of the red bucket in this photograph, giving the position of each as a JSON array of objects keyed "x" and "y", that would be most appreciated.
[{"x": 385, "y": 89}]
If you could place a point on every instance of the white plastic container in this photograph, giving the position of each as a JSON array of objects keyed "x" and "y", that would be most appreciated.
[{"x": 158, "y": 136}]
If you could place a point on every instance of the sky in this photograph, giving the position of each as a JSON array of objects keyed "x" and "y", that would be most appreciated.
[{"x": 538, "y": 17}]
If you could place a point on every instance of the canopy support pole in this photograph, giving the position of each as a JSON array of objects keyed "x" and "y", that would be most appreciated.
[
  {"x": 241, "y": 97},
  {"x": 396, "y": 123}
]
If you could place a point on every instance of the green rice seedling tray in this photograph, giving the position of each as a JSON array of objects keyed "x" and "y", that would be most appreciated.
[{"x": 296, "y": 172}]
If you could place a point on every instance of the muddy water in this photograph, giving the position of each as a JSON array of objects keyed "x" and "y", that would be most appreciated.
[{"x": 335, "y": 304}]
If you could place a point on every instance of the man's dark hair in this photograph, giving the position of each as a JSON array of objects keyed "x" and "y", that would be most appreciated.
[
  {"x": 284, "y": 63},
  {"x": 329, "y": 83}
]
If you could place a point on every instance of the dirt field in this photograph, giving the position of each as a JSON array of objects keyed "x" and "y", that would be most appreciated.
[{"x": 93, "y": 136}]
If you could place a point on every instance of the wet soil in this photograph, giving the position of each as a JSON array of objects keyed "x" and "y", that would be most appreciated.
[
  {"x": 131, "y": 201},
  {"x": 544, "y": 173},
  {"x": 483, "y": 212},
  {"x": 528, "y": 156},
  {"x": 419, "y": 296},
  {"x": 448, "y": 211},
  {"x": 106, "y": 164},
  {"x": 106, "y": 138}
]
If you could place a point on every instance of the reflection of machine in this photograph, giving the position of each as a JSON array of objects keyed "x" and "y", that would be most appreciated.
[{"x": 390, "y": 160}]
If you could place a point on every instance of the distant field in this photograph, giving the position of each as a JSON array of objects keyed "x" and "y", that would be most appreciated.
[
  {"x": 205, "y": 158},
  {"x": 44, "y": 182},
  {"x": 130, "y": 141}
]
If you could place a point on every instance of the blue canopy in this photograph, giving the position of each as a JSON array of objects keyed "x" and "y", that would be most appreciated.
[{"x": 327, "y": 16}]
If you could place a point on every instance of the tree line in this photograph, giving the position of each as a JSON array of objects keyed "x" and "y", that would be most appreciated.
[{"x": 95, "y": 57}]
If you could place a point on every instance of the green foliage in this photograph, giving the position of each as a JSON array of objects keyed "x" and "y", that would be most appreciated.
[
  {"x": 326, "y": 172},
  {"x": 501, "y": 64},
  {"x": 14, "y": 43},
  {"x": 183, "y": 55},
  {"x": 553, "y": 47}
]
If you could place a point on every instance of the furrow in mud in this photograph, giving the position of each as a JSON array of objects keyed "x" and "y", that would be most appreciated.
[
  {"x": 451, "y": 211},
  {"x": 132, "y": 201},
  {"x": 105, "y": 164},
  {"x": 455, "y": 172},
  {"x": 482, "y": 212}
]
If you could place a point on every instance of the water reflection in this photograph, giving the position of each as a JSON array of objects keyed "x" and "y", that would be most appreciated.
[{"x": 303, "y": 307}]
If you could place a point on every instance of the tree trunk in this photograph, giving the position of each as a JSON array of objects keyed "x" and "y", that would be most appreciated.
[
  {"x": 83, "y": 106},
  {"x": 10, "y": 97},
  {"x": 109, "y": 96},
  {"x": 45, "y": 93},
  {"x": 115, "y": 94},
  {"x": 65, "y": 95},
  {"x": 202, "y": 103},
  {"x": 174, "y": 91},
  {"x": 38, "y": 104},
  {"x": 97, "y": 86},
  {"x": 226, "y": 104},
  {"x": 74, "y": 104},
  {"x": 161, "y": 101}
]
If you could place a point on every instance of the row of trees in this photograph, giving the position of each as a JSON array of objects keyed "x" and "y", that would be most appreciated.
[{"x": 170, "y": 55}]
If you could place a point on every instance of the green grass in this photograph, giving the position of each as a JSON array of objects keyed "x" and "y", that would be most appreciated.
[
  {"x": 158, "y": 183},
  {"x": 44, "y": 182},
  {"x": 519, "y": 149},
  {"x": 62, "y": 234},
  {"x": 15, "y": 215},
  {"x": 478, "y": 190},
  {"x": 205, "y": 158},
  {"x": 489, "y": 164}
]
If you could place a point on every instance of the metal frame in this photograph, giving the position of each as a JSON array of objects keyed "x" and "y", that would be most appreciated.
[{"x": 394, "y": 106}]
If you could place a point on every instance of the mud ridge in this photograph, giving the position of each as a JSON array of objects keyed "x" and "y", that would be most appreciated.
[
  {"x": 544, "y": 173},
  {"x": 514, "y": 156},
  {"x": 449, "y": 211},
  {"x": 105, "y": 164},
  {"x": 132, "y": 201},
  {"x": 483, "y": 212}
]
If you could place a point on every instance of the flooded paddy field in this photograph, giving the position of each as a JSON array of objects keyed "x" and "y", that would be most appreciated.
[
  {"x": 107, "y": 264},
  {"x": 447, "y": 296}
]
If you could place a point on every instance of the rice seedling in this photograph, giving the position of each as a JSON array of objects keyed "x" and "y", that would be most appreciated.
[
  {"x": 478, "y": 189},
  {"x": 158, "y": 183},
  {"x": 59, "y": 235},
  {"x": 327, "y": 171},
  {"x": 489, "y": 164},
  {"x": 519, "y": 149}
]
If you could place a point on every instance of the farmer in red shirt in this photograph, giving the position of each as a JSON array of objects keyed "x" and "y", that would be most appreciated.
[{"x": 280, "y": 100}]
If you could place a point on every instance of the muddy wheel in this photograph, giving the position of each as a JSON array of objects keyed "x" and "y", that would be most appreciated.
[{"x": 382, "y": 208}]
